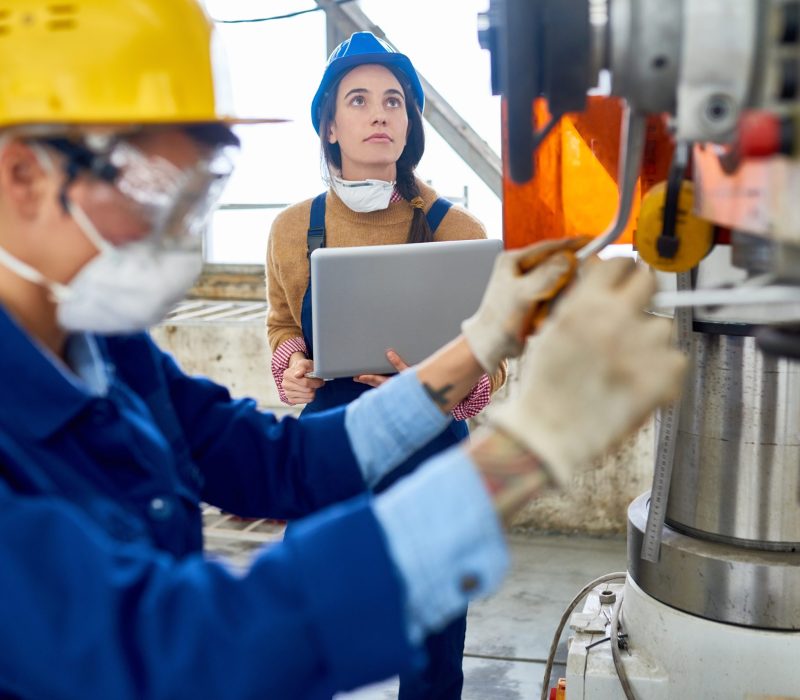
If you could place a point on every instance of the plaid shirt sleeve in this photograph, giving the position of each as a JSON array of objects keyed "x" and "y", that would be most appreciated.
[
  {"x": 472, "y": 404},
  {"x": 475, "y": 401},
  {"x": 280, "y": 362}
]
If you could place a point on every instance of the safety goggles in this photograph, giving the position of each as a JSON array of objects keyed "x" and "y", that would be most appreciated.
[{"x": 174, "y": 203}]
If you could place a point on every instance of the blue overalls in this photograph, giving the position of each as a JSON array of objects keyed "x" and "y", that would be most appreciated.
[{"x": 443, "y": 677}]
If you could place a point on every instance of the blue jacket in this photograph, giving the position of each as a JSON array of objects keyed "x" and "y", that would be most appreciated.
[{"x": 104, "y": 592}]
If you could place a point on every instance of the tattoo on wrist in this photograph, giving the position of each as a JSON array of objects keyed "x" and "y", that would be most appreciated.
[{"x": 438, "y": 396}]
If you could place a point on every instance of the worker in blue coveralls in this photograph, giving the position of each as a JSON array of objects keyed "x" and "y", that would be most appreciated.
[{"x": 112, "y": 146}]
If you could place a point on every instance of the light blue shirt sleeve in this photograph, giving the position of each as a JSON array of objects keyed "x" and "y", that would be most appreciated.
[
  {"x": 388, "y": 424},
  {"x": 445, "y": 539}
]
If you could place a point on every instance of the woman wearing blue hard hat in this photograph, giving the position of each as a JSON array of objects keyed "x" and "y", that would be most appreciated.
[{"x": 368, "y": 114}]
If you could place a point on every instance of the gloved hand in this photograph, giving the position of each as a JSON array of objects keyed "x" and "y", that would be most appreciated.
[
  {"x": 595, "y": 371},
  {"x": 498, "y": 328}
]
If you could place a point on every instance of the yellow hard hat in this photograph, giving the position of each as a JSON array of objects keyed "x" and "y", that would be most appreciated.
[{"x": 112, "y": 62}]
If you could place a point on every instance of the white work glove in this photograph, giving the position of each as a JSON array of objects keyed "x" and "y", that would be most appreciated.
[
  {"x": 594, "y": 372},
  {"x": 497, "y": 330}
]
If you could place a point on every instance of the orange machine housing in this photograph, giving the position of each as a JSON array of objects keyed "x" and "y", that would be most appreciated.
[{"x": 574, "y": 189}]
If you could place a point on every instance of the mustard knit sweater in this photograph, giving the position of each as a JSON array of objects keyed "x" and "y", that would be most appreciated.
[{"x": 287, "y": 265}]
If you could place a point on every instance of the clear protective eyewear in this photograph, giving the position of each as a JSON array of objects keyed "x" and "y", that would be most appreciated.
[{"x": 176, "y": 202}]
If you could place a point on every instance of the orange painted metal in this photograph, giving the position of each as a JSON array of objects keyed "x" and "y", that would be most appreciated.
[{"x": 574, "y": 190}]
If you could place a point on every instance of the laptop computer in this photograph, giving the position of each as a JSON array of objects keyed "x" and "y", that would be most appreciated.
[{"x": 409, "y": 297}]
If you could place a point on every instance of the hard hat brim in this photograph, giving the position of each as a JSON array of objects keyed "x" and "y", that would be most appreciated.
[
  {"x": 234, "y": 121},
  {"x": 112, "y": 124},
  {"x": 342, "y": 65}
]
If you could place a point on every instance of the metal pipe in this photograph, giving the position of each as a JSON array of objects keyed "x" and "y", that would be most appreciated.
[
  {"x": 740, "y": 296},
  {"x": 634, "y": 129}
]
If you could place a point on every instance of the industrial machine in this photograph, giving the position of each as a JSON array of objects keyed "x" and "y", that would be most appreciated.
[{"x": 710, "y": 605}]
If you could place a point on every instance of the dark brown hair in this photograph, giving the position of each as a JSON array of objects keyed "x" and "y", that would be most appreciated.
[
  {"x": 212, "y": 134},
  {"x": 419, "y": 231}
]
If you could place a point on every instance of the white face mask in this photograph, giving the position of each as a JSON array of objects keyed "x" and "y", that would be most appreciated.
[
  {"x": 127, "y": 288},
  {"x": 363, "y": 195},
  {"x": 123, "y": 289}
]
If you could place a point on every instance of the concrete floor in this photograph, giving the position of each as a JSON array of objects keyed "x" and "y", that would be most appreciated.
[{"x": 508, "y": 635}]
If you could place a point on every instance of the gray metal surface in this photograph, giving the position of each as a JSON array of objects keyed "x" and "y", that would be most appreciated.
[
  {"x": 632, "y": 139},
  {"x": 736, "y": 476},
  {"x": 600, "y": 37},
  {"x": 763, "y": 255},
  {"x": 773, "y": 295},
  {"x": 717, "y": 581},
  {"x": 645, "y": 48}
]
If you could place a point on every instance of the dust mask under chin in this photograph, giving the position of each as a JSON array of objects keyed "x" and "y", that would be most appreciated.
[{"x": 363, "y": 196}]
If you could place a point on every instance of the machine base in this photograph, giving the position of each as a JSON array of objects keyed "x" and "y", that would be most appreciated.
[
  {"x": 672, "y": 655},
  {"x": 717, "y": 581}
]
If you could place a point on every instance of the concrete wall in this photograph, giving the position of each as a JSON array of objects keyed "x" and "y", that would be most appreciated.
[
  {"x": 237, "y": 356},
  {"x": 596, "y": 502}
]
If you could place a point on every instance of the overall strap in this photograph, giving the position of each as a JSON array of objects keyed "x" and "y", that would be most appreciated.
[
  {"x": 315, "y": 238},
  {"x": 436, "y": 213},
  {"x": 316, "y": 224}
]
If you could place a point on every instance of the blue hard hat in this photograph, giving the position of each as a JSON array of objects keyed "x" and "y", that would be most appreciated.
[{"x": 361, "y": 48}]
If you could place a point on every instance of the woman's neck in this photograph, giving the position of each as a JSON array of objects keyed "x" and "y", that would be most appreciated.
[{"x": 358, "y": 171}]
